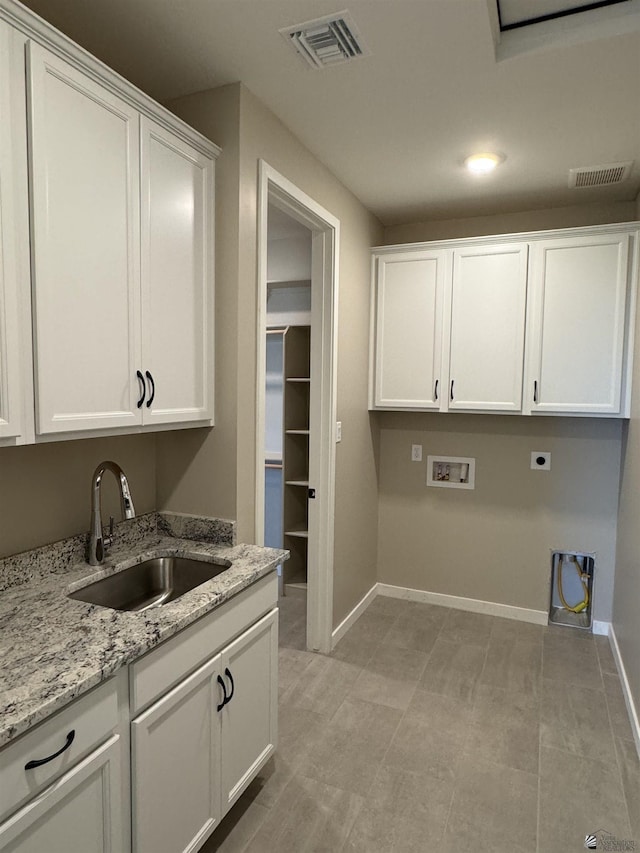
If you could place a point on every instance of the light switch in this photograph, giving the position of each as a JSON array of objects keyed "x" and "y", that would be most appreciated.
[
  {"x": 416, "y": 453},
  {"x": 338, "y": 431}
]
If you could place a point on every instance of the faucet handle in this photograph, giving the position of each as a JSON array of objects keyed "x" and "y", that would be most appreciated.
[{"x": 108, "y": 540}]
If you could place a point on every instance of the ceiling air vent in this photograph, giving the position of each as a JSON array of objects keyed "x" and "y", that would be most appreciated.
[
  {"x": 599, "y": 176},
  {"x": 327, "y": 41}
]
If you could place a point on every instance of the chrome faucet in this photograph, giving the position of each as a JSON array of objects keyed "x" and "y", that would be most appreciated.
[{"x": 98, "y": 543}]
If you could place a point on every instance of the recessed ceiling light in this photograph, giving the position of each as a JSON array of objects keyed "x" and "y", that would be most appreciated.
[{"x": 481, "y": 164}]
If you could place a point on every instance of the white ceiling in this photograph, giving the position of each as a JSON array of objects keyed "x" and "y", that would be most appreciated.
[{"x": 395, "y": 126}]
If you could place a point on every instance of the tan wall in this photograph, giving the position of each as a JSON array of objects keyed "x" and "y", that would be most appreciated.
[
  {"x": 512, "y": 223},
  {"x": 264, "y": 136},
  {"x": 197, "y": 468},
  {"x": 45, "y": 490},
  {"x": 493, "y": 543},
  {"x": 220, "y": 461},
  {"x": 627, "y": 587}
]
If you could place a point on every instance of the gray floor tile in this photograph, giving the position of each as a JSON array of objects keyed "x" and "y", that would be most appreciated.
[
  {"x": 403, "y": 812},
  {"x": 605, "y": 655},
  {"x": 513, "y": 629},
  {"x": 431, "y": 737},
  {"x": 618, "y": 714},
  {"x": 505, "y": 729},
  {"x": 570, "y": 659},
  {"x": 322, "y": 686},
  {"x": 578, "y": 796},
  {"x": 576, "y": 720},
  {"x": 350, "y": 750},
  {"x": 630, "y": 769},
  {"x": 239, "y": 826},
  {"x": 291, "y": 664},
  {"x": 453, "y": 669},
  {"x": 390, "y": 677},
  {"x": 310, "y": 817},
  {"x": 413, "y": 634},
  {"x": 358, "y": 645},
  {"x": 513, "y": 664},
  {"x": 386, "y": 605},
  {"x": 494, "y": 809},
  {"x": 469, "y": 628}
]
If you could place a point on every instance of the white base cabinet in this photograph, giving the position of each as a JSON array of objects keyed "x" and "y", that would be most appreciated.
[
  {"x": 175, "y": 765},
  {"x": 532, "y": 324},
  {"x": 196, "y": 749},
  {"x": 198, "y": 724},
  {"x": 80, "y": 813}
]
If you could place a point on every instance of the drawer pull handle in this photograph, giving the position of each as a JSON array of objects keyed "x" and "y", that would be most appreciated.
[
  {"x": 144, "y": 389},
  {"x": 535, "y": 391},
  {"x": 224, "y": 693},
  {"x": 233, "y": 689},
  {"x": 39, "y": 762},
  {"x": 436, "y": 389},
  {"x": 452, "y": 389},
  {"x": 153, "y": 388}
]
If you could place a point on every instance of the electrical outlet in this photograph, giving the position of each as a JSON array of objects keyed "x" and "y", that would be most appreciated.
[
  {"x": 416, "y": 453},
  {"x": 540, "y": 460}
]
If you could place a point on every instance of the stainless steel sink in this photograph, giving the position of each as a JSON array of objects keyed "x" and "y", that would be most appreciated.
[{"x": 151, "y": 583}]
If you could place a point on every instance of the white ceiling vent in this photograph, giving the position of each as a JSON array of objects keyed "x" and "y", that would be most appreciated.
[
  {"x": 327, "y": 41},
  {"x": 599, "y": 176}
]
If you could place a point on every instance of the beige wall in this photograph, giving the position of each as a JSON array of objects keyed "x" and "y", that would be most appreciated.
[
  {"x": 233, "y": 116},
  {"x": 45, "y": 490},
  {"x": 197, "y": 468},
  {"x": 512, "y": 223},
  {"x": 493, "y": 543},
  {"x": 626, "y": 621}
]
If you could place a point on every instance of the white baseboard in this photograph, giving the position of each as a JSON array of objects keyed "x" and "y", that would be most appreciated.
[
  {"x": 634, "y": 717},
  {"x": 473, "y": 605},
  {"x": 350, "y": 618}
]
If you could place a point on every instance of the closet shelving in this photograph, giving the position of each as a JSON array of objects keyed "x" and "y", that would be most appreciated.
[{"x": 295, "y": 451}]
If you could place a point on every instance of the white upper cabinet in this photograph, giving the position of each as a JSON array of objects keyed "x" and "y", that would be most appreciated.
[
  {"x": 532, "y": 324},
  {"x": 122, "y": 237},
  {"x": 177, "y": 265},
  {"x": 11, "y": 425},
  {"x": 577, "y": 328},
  {"x": 488, "y": 305},
  {"x": 85, "y": 249},
  {"x": 408, "y": 308}
]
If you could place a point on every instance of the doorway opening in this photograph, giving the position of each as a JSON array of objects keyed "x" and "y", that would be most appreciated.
[{"x": 295, "y": 460}]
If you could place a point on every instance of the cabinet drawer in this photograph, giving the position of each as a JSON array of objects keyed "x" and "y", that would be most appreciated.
[
  {"x": 164, "y": 667},
  {"x": 92, "y": 718}
]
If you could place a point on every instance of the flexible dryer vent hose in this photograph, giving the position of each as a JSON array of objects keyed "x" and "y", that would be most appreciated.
[{"x": 583, "y": 576}]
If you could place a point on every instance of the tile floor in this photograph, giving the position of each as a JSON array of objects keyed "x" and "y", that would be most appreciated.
[{"x": 435, "y": 729}]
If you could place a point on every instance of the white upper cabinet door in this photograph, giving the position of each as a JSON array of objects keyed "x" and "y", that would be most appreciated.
[
  {"x": 579, "y": 287},
  {"x": 249, "y": 668},
  {"x": 408, "y": 334},
  {"x": 487, "y": 328},
  {"x": 177, "y": 278},
  {"x": 10, "y": 414},
  {"x": 86, "y": 247}
]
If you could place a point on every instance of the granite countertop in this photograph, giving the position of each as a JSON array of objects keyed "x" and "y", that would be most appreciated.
[{"x": 53, "y": 648}]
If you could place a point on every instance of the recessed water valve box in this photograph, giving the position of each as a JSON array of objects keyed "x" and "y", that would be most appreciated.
[{"x": 451, "y": 472}]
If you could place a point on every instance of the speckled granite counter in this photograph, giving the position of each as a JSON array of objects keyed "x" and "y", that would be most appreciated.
[{"x": 53, "y": 649}]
